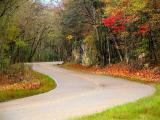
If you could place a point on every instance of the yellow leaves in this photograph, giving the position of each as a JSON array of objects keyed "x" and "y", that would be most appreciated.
[
  {"x": 124, "y": 34},
  {"x": 136, "y": 5},
  {"x": 110, "y": 10},
  {"x": 89, "y": 39},
  {"x": 126, "y": 6},
  {"x": 70, "y": 37}
]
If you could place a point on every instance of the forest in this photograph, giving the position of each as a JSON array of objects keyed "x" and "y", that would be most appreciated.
[
  {"x": 86, "y": 32},
  {"x": 118, "y": 41},
  {"x": 101, "y": 32}
]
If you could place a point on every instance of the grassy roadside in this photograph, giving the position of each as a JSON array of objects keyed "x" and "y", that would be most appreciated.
[
  {"x": 144, "y": 109},
  {"x": 47, "y": 84}
]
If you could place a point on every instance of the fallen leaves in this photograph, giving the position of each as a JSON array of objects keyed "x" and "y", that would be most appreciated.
[
  {"x": 121, "y": 70},
  {"x": 21, "y": 86}
]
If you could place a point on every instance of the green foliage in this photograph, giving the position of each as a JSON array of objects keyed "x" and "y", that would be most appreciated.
[
  {"x": 20, "y": 43},
  {"x": 4, "y": 64},
  {"x": 11, "y": 32},
  {"x": 32, "y": 32},
  {"x": 143, "y": 47}
]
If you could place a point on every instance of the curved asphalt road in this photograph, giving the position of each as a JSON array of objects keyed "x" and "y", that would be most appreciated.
[{"x": 77, "y": 94}]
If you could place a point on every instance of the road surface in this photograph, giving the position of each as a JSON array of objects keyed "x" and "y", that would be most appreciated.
[{"x": 76, "y": 94}]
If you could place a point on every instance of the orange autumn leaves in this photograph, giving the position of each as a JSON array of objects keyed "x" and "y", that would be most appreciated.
[
  {"x": 21, "y": 86},
  {"x": 121, "y": 70},
  {"x": 125, "y": 71}
]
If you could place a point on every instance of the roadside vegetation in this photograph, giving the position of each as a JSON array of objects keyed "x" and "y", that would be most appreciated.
[
  {"x": 17, "y": 84},
  {"x": 150, "y": 75},
  {"x": 26, "y": 35}
]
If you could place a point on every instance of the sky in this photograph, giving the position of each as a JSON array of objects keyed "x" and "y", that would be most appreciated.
[{"x": 47, "y": 1}]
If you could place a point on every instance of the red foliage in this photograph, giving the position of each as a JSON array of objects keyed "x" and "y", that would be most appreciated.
[
  {"x": 144, "y": 29},
  {"x": 115, "y": 22},
  {"x": 109, "y": 22}
]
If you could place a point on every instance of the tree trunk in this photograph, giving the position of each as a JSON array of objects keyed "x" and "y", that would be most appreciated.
[
  {"x": 108, "y": 50},
  {"x": 117, "y": 48},
  {"x": 126, "y": 52}
]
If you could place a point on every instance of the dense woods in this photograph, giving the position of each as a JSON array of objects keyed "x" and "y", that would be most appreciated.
[
  {"x": 117, "y": 38},
  {"x": 107, "y": 32},
  {"x": 89, "y": 32}
]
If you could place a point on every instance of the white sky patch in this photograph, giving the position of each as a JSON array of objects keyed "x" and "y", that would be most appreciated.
[
  {"x": 49, "y": 1},
  {"x": 46, "y": 1}
]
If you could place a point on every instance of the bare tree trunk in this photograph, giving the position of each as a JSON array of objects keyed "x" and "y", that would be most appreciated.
[
  {"x": 36, "y": 44},
  {"x": 126, "y": 51},
  {"x": 108, "y": 50},
  {"x": 152, "y": 47},
  {"x": 117, "y": 48}
]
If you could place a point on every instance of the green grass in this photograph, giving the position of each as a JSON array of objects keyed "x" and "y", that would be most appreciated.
[{"x": 47, "y": 85}]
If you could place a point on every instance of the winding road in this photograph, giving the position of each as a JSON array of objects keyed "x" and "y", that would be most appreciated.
[{"x": 76, "y": 94}]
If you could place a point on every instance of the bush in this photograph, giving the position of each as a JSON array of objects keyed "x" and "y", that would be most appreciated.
[
  {"x": 4, "y": 64},
  {"x": 16, "y": 73}
]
